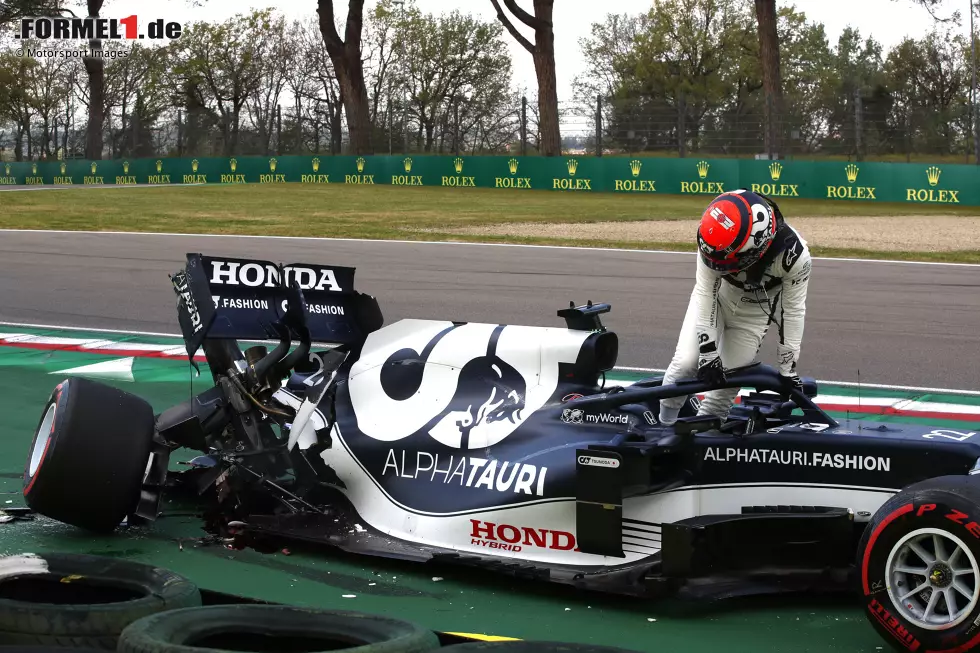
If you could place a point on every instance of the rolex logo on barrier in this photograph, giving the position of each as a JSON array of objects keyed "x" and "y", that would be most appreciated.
[
  {"x": 158, "y": 178},
  {"x": 93, "y": 179},
  {"x": 196, "y": 178},
  {"x": 232, "y": 178},
  {"x": 571, "y": 184},
  {"x": 851, "y": 192},
  {"x": 359, "y": 178},
  {"x": 315, "y": 178},
  {"x": 512, "y": 181},
  {"x": 458, "y": 179},
  {"x": 406, "y": 179},
  {"x": 272, "y": 178},
  {"x": 64, "y": 179},
  {"x": 933, "y": 195},
  {"x": 34, "y": 179},
  {"x": 702, "y": 186},
  {"x": 7, "y": 179},
  {"x": 6, "y": 169},
  {"x": 774, "y": 189},
  {"x": 125, "y": 178},
  {"x": 635, "y": 185}
]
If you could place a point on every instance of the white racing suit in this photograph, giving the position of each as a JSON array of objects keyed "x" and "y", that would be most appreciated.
[{"x": 733, "y": 312}]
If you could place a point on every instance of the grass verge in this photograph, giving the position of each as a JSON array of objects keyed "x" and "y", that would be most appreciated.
[{"x": 386, "y": 212}]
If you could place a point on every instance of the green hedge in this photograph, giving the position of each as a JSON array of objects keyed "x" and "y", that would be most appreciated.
[{"x": 860, "y": 182}]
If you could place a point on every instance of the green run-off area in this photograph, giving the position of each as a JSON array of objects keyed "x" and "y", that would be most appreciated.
[
  {"x": 448, "y": 599},
  {"x": 858, "y": 182}
]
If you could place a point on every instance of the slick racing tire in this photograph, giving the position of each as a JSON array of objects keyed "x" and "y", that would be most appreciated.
[
  {"x": 918, "y": 566},
  {"x": 82, "y": 601},
  {"x": 530, "y": 646},
  {"x": 271, "y": 628},
  {"x": 89, "y": 455}
]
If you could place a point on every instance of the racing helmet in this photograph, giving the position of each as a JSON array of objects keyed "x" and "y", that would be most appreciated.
[{"x": 736, "y": 230}]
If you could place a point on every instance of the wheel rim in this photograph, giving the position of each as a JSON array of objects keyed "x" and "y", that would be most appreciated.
[
  {"x": 933, "y": 579},
  {"x": 41, "y": 440}
]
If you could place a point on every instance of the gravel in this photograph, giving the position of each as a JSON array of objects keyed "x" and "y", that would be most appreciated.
[{"x": 877, "y": 233}]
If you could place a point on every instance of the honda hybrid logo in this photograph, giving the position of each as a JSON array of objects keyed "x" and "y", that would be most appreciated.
[{"x": 230, "y": 273}]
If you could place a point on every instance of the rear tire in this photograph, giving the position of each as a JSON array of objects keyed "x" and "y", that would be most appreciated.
[
  {"x": 89, "y": 455},
  {"x": 919, "y": 566}
]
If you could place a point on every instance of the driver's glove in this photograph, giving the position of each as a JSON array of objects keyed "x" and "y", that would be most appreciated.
[
  {"x": 791, "y": 380},
  {"x": 710, "y": 370}
]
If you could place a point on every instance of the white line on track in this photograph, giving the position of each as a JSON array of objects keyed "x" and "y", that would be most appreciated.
[
  {"x": 846, "y": 384},
  {"x": 438, "y": 242}
]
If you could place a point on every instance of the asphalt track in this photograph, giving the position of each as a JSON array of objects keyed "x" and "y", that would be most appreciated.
[{"x": 874, "y": 322}]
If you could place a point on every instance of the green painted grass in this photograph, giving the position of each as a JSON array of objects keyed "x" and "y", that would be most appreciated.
[{"x": 388, "y": 212}]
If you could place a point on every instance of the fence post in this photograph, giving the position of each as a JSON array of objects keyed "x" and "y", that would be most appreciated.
[
  {"x": 523, "y": 125},
  {"x": 681, "y": 126},
  {"x": 278, "y": 129},
  {"x": 598, "y": 125},
  {"x": 858, "y": 124}
]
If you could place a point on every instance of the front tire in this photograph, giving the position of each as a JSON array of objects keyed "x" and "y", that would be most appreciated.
[
  {"x": 89, "y": 455},
  {"x": 919, "y": 566}
]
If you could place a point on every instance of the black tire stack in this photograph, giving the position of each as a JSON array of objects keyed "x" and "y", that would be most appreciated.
[{"x": 64, "y": 603}]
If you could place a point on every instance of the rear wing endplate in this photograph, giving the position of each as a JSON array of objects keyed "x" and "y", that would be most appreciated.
[{"x": 242, "y": 299}]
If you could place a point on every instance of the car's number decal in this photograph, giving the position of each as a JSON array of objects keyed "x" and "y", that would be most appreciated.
[{"x": 959, "y": 436}]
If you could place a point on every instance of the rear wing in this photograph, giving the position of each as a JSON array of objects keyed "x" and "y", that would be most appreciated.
[{"x": 243, "y": 299}]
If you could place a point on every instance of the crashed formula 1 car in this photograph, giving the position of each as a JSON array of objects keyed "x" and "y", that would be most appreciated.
[{"x": 498, "y": 446}]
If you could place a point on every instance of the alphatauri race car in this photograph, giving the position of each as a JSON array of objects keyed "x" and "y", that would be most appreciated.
[{"x": 501, "y": 446}]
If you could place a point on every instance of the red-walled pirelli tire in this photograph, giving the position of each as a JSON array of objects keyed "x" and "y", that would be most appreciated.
[
  {"x": 919, "y": 567},
  {"x": 89, "y": 455}
]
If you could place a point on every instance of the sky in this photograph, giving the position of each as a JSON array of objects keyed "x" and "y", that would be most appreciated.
[{"x": 889, "y": 21}]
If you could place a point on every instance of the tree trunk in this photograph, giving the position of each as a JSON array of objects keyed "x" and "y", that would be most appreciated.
[
  {"x": 95, "y": 67},
  {"x": 345, "y": 54},
  {"x": 765, "y": 11},
  {"x": 544, "y": 68},
  {"x": 356, "y": 106}
]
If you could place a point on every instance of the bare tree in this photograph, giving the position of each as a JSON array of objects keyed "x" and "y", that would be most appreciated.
[
  {"x": 543, "y": 53},
  {"x": 349, "y": 68}
]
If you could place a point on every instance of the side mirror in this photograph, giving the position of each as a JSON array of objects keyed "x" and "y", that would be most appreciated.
[{"x": 689, "y": 425}]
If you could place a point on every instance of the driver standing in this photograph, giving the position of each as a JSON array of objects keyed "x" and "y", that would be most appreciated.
[{"x": 752, "y": 270}]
